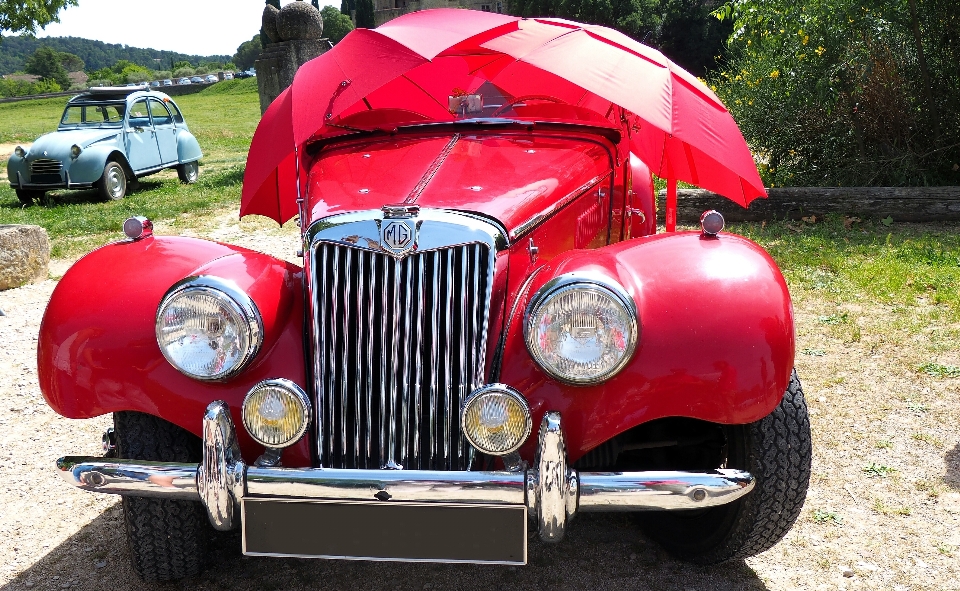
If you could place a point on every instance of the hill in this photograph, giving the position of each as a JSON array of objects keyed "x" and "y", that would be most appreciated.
[{"x": 95, "y": 54}]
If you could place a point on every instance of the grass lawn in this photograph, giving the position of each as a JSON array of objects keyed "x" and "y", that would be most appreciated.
[{"x": 222, "y": 117}]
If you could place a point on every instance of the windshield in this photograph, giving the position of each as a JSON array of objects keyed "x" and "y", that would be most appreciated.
[{"x": 97, "y": 115}]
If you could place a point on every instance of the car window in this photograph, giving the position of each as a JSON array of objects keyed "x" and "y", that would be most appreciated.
[
  {"x": 139, "y": 116},
  {"x": 93, "y": 115},
  {"x": 161, "y": 116},
  {"x": 176, "y": 112}
]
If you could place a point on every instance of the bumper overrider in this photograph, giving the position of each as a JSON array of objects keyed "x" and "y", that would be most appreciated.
[{"x": 415, "y": 515}]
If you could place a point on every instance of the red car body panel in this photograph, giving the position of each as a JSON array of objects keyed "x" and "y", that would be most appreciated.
[
  {"x": 98, "y": 352},
  {"x": 717, "y": 338},
  {"x": 699, "y": 355}
]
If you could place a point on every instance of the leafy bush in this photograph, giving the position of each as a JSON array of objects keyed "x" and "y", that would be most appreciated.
[
  {"x": 847, "y": 92},
  {"x": 9, "y": 87}
]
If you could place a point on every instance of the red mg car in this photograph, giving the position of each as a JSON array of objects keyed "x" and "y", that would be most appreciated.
[{"x": 487, "y": 333}]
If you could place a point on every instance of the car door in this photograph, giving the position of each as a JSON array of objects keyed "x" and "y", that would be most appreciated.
[
  {"x": 143, "y": 152},
  {"x": 166, "y": 131}
]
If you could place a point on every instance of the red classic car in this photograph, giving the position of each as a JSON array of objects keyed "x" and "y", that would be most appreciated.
[{"x": 487, "y": 333}]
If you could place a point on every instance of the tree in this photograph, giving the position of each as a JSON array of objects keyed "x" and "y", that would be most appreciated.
[
  {"x": 26, "y": 15},
  {"x": 71, "y": 62},
  {"x": 365, "y": 14},
  {"x": 847, "y": 92},
  {"x": 247, "y": 53},
  {"x": 336, "y": 25},
  {"x": 45, "y": 62}
]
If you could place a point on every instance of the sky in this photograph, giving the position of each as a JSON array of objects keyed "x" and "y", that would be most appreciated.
[{"x": 193, "y": 27}]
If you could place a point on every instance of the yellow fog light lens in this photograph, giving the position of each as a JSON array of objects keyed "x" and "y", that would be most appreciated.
[
  {"x": 496, "y": 419},
  {"x": 276, "y": 413}
]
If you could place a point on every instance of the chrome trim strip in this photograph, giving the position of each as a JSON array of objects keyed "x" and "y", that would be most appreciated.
[
  {"x": 424, "y": 486},
  {"x": 432, "y": 170},
  {"x": 140, "y": 478},
  {"x": 645, "y": 491},
  {"x": 551, "y": 491},
  {"x": 535, "y": 220},
  {"x": 221, "y": 475},
  {"x": 242, "y": 303}
]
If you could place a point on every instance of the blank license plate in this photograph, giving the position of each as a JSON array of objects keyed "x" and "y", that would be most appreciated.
[{"x": 415, "y": 532}]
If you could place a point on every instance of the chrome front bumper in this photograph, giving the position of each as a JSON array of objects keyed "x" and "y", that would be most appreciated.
[{"x": 550, "y": 490}]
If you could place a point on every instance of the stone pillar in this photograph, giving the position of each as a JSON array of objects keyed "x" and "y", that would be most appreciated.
[
  {"x": 279, "y": 62},
  {"x": 293, "y": 37}
]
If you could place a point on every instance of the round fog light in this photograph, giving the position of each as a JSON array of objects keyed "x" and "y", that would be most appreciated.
[
  {"x": 496, "y": 419},
  {"x": 276, "y": 413}
]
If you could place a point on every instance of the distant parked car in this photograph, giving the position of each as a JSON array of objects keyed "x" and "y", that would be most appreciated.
[
  {"x": 183, "y": 81},
  {"x": 166, "y": 82},
  {"x": 228, "y": 75},
  {"x": 211, "y": 78},
  {"x": 155, "y": 84},
  {"x": 251, "y": 73},
  {"x": 107, "y": 137},
  {"x": 196, "y": 80}
]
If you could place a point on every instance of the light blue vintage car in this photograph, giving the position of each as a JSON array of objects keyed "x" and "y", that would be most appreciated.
[{"x": 107, "y": 138}]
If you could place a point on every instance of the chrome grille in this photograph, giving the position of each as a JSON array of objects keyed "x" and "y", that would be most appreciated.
[
  {"x": 399, "y": 343},
  {"x": 45, "y": 166}
]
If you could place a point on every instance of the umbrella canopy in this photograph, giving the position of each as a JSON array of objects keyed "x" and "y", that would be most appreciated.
[{"x": 414, "y": 63}]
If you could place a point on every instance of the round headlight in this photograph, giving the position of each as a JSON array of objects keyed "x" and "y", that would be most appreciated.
[
  {"x": 581, "y": 329},
  {"x": 208, "y": 328},
  {"x": 19, "y": 151},
  {"x": 496, "y": 419},
  {"x": 276, "y": 413},
  {"x": 75, "y": 150}
]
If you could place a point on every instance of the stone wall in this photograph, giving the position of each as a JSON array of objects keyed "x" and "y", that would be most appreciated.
[{"x": 279, "y": 62}]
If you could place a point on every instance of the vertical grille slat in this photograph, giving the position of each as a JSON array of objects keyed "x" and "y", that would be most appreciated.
[{"x": 400, "y": 342}]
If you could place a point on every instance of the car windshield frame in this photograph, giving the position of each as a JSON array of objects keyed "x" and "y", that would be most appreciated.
[{"x": 88, "y": 108}]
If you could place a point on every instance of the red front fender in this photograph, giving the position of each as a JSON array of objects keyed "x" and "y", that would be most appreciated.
[
  {"x": 716, "y": 343},
  {"x": 98, "y": 353}
]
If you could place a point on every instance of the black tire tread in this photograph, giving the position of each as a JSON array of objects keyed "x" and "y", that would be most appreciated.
[
  {"x": 166, "y": 538},
  {"x": 780, "y": 459}
]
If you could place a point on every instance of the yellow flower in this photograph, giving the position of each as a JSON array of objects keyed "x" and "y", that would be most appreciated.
[
  {"x": 713, "y": 87},
  {"x": 820, "y": 50},
  {"x": 806, "y": 39},
  {"x": 775, "y": 74}
]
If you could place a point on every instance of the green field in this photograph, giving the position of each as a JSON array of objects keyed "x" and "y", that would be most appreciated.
[{"x": 222, "y": 117}]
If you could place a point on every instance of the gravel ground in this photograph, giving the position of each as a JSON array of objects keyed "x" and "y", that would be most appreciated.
[{"x": 883, "y": 510}]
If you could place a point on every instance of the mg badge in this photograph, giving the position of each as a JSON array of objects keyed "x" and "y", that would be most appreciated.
[{"x": 397, "y": 236}]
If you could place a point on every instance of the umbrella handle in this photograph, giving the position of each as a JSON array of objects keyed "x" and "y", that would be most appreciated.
[{"x": 670, "y": 214}]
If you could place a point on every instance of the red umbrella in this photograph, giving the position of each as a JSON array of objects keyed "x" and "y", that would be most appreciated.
[{"x": 674, "y": 122}]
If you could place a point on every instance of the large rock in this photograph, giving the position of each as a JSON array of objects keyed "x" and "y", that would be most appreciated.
[
  {"x": 24, "y": 255},
  {"x": 299, "y": 21},
  {"x": 269, "y": 24}
]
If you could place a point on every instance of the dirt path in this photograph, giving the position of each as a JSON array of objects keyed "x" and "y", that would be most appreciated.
[{"x": 884, "y": 503}]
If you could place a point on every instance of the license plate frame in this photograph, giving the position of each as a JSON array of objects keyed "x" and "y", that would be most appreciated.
[{"x": 385, "y": 531}]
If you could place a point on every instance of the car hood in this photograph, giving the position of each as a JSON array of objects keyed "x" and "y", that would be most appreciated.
[
  {"x": 58, "y": 143},
  {"x": 510, "y": 177}
]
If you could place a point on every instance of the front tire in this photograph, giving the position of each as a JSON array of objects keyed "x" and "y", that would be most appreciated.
[
  {"x": 189, "y": 172},
  {"x": 28, "y": 197},
  {"x": 112, "y": 185},
  {"x": 167, "y": 539},
  {"x": 777, "y": 451}
]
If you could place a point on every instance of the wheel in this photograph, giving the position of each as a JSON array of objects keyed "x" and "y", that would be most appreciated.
[
  {"x": 167, "y": 539},
  {"x": 777, "y": 451},
  {"x": 188, "y": 172},
  {"x": 28, "y": 197},
  {"x": 112, "y": 185}
]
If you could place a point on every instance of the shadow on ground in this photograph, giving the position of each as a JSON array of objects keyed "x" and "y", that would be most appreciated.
[{"x": 601, "y": 552}]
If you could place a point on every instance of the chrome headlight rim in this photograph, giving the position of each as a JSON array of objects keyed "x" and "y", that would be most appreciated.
[
  {"x": 509, "y": 392},
  {"x": 75, "y": 151},
  {"x": 236, "y": 299},
  {"x": 292, "y": 388},
  {"x": 20, "y": 152},
  {"x": 582, "y": 280}
]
